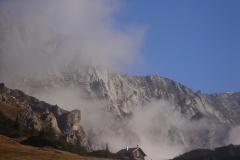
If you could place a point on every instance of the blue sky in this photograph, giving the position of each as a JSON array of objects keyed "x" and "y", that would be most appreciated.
[{"x": 194, "y": 42}]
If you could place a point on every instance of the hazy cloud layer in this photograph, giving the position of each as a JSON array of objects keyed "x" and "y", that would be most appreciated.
[
  {"x": 91, "y": 22},
  {"x": 147, "y": 128},
  {"x": 158, "y": 129}
]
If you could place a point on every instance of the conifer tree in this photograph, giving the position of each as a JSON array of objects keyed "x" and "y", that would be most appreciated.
[
  {"x": 18, "y": 124},
  {"x": 33, "y": 130},
  {"x": 107, "y": 153},
  {"x": 50, "y": 131},
  {"x": 42, "y": 133}
]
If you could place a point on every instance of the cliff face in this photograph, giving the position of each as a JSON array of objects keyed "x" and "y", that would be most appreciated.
[
  {"x": 126, "y": 93},
  {"x": 39, "y": 114}
]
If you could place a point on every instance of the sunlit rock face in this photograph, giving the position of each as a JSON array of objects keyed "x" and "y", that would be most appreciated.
[{"x": 119, "y": 108}]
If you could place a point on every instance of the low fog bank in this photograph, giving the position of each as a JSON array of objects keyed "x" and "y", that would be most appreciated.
[
  {"x": 233, "y": 136},
  {"x": 159, "y": 129},
  {"x": 147, "y": 128}
]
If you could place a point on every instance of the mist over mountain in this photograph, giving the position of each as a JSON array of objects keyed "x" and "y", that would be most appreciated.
[{"x": 162, "y": 116}]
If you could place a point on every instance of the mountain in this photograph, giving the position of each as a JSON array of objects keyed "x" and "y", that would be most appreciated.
[
  {"x": 193, "y": 119},
  {"x": 117, "y": 108},
  {"x": 33, "y": 113}
]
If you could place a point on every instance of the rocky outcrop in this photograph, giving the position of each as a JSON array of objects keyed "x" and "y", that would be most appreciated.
[
  {"x": 70, "y": 125},
  {"x": 39, "y": 114}
]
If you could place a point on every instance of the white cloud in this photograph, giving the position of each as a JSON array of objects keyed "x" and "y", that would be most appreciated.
[
  {"x": 234, "y": 136},
  {"x": 91, "y": 22}
]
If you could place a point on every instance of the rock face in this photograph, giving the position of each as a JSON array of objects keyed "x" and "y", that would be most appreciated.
[
  {"x": 136, "y": 108},
  {"x": 70, "y": 125},
  {"x": 214, "y": 114},
  {"x": 39, "y": 114}
]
